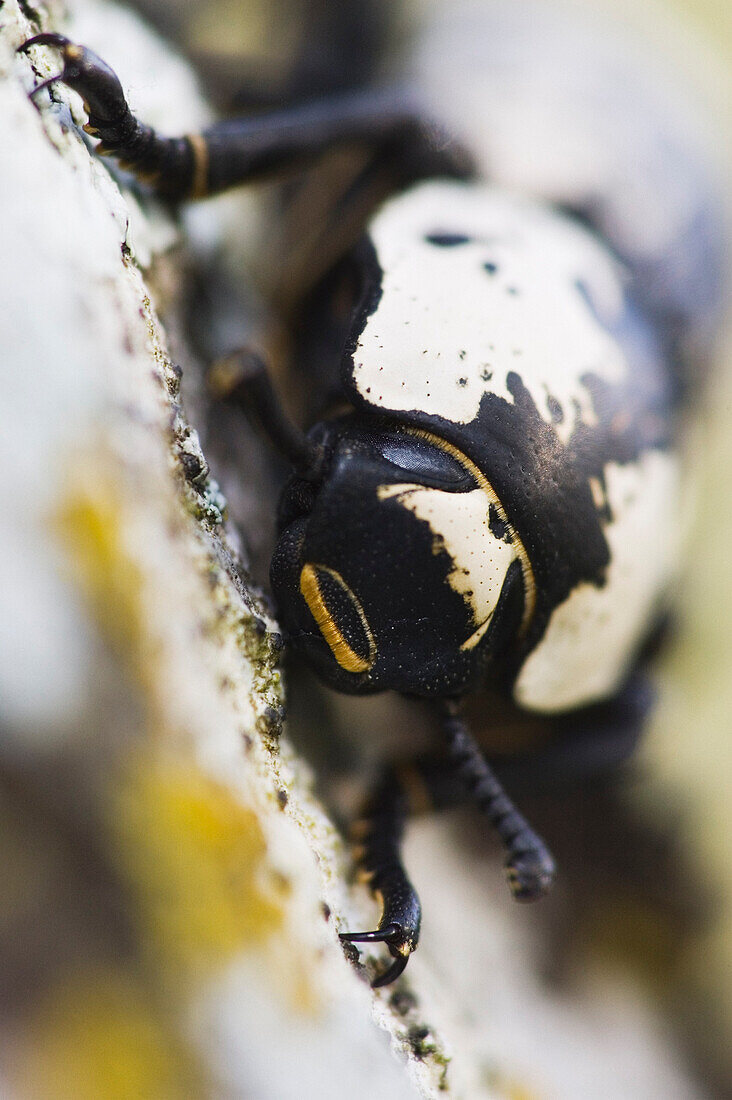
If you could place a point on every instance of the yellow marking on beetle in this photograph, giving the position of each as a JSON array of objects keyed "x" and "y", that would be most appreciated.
[
  {"x": 199, "y": 148},
  {"x": 346, "y": 657},
  {"x": 490, "y": 492}
]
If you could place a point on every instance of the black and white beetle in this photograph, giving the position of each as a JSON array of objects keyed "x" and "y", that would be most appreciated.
[{"x": 498, "y": 504}]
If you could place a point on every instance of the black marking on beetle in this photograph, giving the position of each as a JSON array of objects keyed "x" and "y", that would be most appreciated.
[
  {"x": 462, "y": 381},
  {"x": 497, "y": 526},
  {"x": 490, "y": 267},
  {"x": 444, "y": 239},
  {"x": 340, "y": 606},
  {"x": 624, "y": 431}
]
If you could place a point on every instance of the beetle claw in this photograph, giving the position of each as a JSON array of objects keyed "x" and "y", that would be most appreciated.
[
  {"x": 391, "y": 975},
  {"x": 398, "y": 942},
  {"x": 390, "y": 933},
  {"x": 45, "y": 84},
  {"x": 48, "y": 38},
  {"x": 60, "y": 42}
]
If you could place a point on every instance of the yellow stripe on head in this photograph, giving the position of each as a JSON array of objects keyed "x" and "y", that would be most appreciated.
[{"x": 344, "y": 654}]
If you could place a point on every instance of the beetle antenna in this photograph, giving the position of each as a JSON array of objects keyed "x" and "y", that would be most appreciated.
[
  {"x": 530, "y": 867},
  {"x": 242, "y": 379}
]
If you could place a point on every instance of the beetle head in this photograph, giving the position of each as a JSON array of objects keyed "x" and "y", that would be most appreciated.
[{"x": 395, "y": 569}]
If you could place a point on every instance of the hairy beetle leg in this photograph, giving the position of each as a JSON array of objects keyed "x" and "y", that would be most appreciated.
[
  {"x": 530, "y": 867},
  {"x": 588, "y": 744},
  {"x": 377, "y": 843}
]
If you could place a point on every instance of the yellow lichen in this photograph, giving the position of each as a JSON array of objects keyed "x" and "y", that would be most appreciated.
[
  {"x": 516, "y": 1091},
  {"x": 195, "y": 859},
  {"x": 90, "y": 522},
  {"x": 101, "y": 1035}
]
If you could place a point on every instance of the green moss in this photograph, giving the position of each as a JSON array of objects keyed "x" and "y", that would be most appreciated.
[{"x": 423, "y": 1047}]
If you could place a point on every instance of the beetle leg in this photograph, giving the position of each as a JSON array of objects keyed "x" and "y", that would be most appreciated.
[
  {"x": 241, "y": 150},
  {"x": 242, "y": 379},
  {"x": 430, "y": 782},
  {"x": 170, "y": 165},
  {"x": 379, "y": 835},
  {"x": 529, "y": 864}
]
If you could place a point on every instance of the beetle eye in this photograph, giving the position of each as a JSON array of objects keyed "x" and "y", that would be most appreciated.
[
  {"x": 340, "y": 617},
  {"x": 433, "y": 465}
]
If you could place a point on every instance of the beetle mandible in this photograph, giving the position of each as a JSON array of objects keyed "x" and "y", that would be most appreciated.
[{"x": 524, "y": 330}]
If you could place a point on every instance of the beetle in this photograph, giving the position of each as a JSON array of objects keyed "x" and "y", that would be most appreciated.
[{"x": 488, "y": 498}]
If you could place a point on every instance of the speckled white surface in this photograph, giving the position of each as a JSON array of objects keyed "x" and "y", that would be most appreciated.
[{"x": 446, "y": 329}]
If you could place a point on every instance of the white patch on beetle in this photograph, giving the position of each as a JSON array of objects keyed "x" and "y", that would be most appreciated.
[
  {"x": 459, "y": 522},
  {"x": 455, "y": 320},
  {"x": 592, "y": 636}
]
